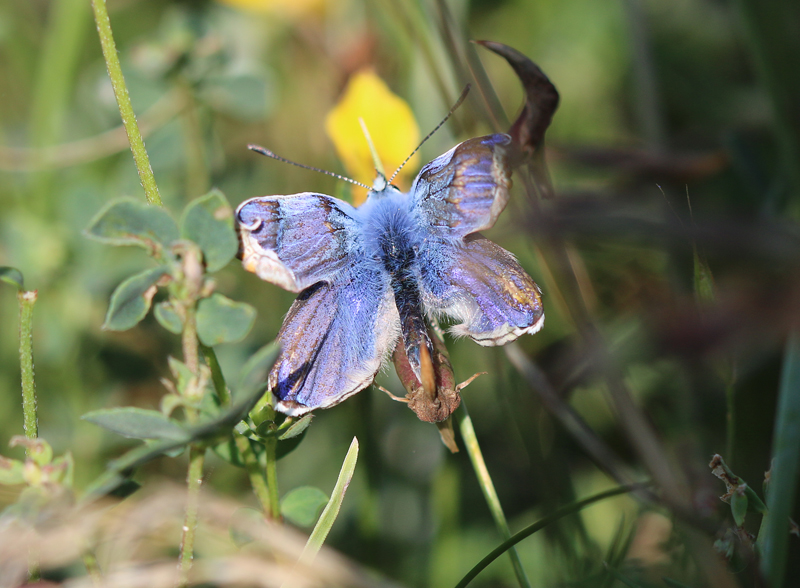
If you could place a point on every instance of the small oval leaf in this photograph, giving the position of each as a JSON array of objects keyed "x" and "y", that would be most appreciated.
[
  {"x": 12, "y": 276},
  {"x": 137, "y": 423},
  {"x": 131, "y": 300},
  {"x": 303, "y": 505},
  {"x": 167, "y": 317},
  {"x": 739, "y": 505},
  {"x": 129, "y": 222},
  {"x": 221, "y": 320},
  {"x": 297, "y": 428},
  {"x": 208, "y": 221}
]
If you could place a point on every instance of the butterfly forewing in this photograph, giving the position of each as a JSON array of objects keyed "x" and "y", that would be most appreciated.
[
  {"x": 297, "y": 240},
  {"x": 464, "y": 190}
]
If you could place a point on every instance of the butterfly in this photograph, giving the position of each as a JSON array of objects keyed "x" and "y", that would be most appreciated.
[{"x": 368, "y": 277}]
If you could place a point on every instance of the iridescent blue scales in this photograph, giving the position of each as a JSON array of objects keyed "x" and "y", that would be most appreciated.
[{"x": 369, "y": 276}]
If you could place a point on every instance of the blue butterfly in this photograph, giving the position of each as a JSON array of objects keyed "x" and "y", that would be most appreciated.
[{"x": 367, "y": 277}]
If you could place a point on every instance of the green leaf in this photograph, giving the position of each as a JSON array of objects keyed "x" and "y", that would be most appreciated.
[
  {"x": 38, "y": 450},
  {"x": 703, "y": 279},
  {"x": 63, "y": 469},
  {"x": 131, "y": 300},
  {"x": 208, "y": 221},
  {"x": 297, "y": 428},
  {"x": 328, "y": 517},
  {"x": 137, "y": 423},
  {"x": 120, "y": 469},
  {"x": 129, "y": 222},
  {"x": 167, "y": 317},
  {"x": 739, "y": 506},
  {"x": 221, "y": 320},
  {"x": 12, "y": 276},
  {"x": 180, "y": 371},
  {"x": 773, "y": 538},
  {"x": 11, "y": 471},
  {"x": 303, "y": 505},
  {"x": 754, "y": 502}
]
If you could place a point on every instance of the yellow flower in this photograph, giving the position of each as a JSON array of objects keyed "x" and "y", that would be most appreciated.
[
  {"x": 390, "y": 123},
  {"x": 284, "y": 7}
]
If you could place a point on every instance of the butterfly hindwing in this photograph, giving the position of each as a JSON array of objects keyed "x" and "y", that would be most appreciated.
[
  {"x": 297, "y": 240},
  {"x": 333, "y": 341},
  {"x": 482, "y": 286}
]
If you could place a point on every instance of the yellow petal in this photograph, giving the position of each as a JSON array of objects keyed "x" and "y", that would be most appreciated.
[
  {"x": 390, "y": 123},
  {"x": 284, "y": 7}
]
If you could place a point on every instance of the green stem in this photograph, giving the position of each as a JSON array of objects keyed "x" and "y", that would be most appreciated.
[
  {"x": 274, "y": 511},
  {"x": 258, "y": 477},
  {"x": 124, "y": 103},
  {"x": 193, "y": 480},
  {"x": 489, "y": 493},
  {"x": 30, "y": 418},
  {"x": 537, "y": 526},
  {"x": 55, "y": 77},
  {"x": 190, "y": 343}
]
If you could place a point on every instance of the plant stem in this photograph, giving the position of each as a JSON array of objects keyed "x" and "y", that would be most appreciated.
[
  {"x": 190, "y": 344},
  {"x": 774, "y": 533},
  {"x": 274, "y": 511},
  {"x": 193, "y": 481},
  {"x": 124, "y": 103},
  {"x": 489, "y": 493},
  {"x": 30, "y": 419},
  {"x": 258, "y": 477}
]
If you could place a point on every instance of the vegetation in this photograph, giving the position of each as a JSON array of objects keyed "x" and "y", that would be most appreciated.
[{"x": 661, "y": 222}]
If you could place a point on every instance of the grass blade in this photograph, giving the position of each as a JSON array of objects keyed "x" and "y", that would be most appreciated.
[
  {"x": 328, "y": 516},
  {"x": 539, "y": 525},
  {"x": 785, "y": 465},
  {"x": 487, "y": 486}
]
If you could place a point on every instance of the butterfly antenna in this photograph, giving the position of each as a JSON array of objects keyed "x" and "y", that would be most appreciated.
[
  {"x": 268, "y": 153},
  {"x": 429, "y": 135},
  {"x": 372, "y": 150}
]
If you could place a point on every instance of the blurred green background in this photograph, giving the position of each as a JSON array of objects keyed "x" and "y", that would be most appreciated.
[{"x": 662, "y": 103}]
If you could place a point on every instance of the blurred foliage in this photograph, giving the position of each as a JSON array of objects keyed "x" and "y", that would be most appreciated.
[{"x": 669, "y": 180}]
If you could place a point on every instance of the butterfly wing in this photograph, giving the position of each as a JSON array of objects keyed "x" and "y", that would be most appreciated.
[
  {"x": 483, "y": 286},
  {"x": 344, "y": 322},
  {"x": 462, "y": 274},
  {"x": 333, "y": 341},
  {"x": 297, "y": 240},
  {"x": 464, "y": 190}
]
